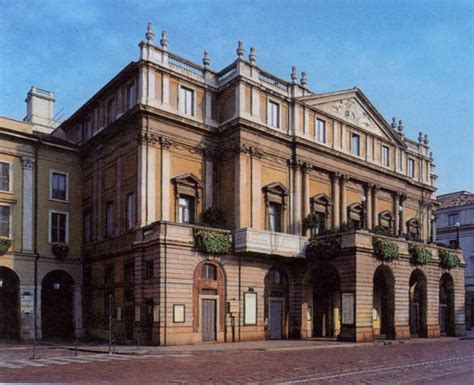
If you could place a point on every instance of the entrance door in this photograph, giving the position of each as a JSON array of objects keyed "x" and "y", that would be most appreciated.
[
  {"x": 276, "y": 319},
  {"x": 9, "y": 299},
  {"x": 443, "y": 317},
  {"x": 148, "y": 337},
  {"x": 129, "y": 318},
  {"x": 414, "y": 319},
  {"x": 208, "y": 318}
]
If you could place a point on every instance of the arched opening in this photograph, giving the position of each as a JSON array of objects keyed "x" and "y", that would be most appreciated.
[
  {"x": 276, "y": 304},
  {"x": 383, "y": 303},
  {"x": 208, "y": 301},
  {"x": 56, "y": 305},
  {"x": 418, "y": 306},
  {"x": 323, "y": 301},
  {"x": 9, "y": 304},
  {"x": 446, "y": 305}
]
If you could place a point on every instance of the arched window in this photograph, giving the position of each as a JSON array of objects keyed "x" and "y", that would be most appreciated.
[
  {"x": 275, "y": 277},
  {"x": 209, "y": 271}
]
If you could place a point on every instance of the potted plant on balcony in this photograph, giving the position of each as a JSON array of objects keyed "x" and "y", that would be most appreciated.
[
  {"x": 214, "y": 217},
  {"x": 448, "y": 260},
  {"x": 312, "y": 222},
  {"x": 327, "y": 248},
  {"x": 60, "y": 250},
  {"x": 385, "y": 249},
  {"x": 213, "y": 242},
  {"x": 420, "y": 255},
  {"x": 382, "y": 230},
  {"x": 5, "y": 244}
]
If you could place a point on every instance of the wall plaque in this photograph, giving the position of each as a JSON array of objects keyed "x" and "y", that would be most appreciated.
[
  {"x": 179, "y": 313},
  {"x": 250, "y": 308},
  {"x": 27, "y": 303},
  {"x": 348, "y": 308}
]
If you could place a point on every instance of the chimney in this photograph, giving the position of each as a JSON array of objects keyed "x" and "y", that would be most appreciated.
[{"x": 40, "y": 110}]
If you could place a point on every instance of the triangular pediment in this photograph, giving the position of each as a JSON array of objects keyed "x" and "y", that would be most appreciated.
[{"x": 353, "y": 107}]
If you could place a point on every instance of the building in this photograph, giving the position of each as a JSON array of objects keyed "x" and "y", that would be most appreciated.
[
  {"x": 455, "y": 228},
  {"x": 40, "y": 232},
  {"x": 234, "y": 205}
]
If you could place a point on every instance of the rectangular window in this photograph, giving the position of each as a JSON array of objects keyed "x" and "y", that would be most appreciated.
[
  {"x": 58, "y": 186},
  {"x": 320, "y": 131},
  {"x": 4, "y": 176},
  {"x": 411, "y": 168},
  {"x": 186, "y": 101},
  {"x": 385, "y": 156},
  {"x": 109, "y": 218},
  {"x": 88, "y": 225},
  {"x": 149, "y": 269},
  {"x": 355, "y": 144},
  {"x": 131, "y": 100},
  {"x": 128, "y": 272},
  {"x": 186, "y": 209},
  {"x": 274, "y": 217},
  {"x": 58, "y": 230},
  {"x": 5, "y": 221},
  {"x": 453, "y": 219},
  {"x": 273, "y": 114},
  {"x": 111, "y": 110},
  {"x": 130, "y": 214}
]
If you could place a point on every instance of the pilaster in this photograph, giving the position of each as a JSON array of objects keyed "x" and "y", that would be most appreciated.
[
  {"x": 343, "y": 211},
  {"x": 27, "y": 230},
  {"x": 77, "y": 305},
  {"x": 335, "y": 199}
]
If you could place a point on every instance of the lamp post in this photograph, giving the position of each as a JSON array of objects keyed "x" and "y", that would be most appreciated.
[
  {"x": 457, "y": 224},
  {"x": 363, "y": 221},
  {"x": 433, "y": 228}
]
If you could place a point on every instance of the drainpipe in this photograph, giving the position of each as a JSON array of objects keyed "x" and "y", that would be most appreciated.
[
  {"x": 240, "y": 293},
  {"x": 35, "y": 245}
]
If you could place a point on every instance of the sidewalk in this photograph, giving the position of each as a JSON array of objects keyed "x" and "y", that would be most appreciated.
[{"x": 236, "y": 347}]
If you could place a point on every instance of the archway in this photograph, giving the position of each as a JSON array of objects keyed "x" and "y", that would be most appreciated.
[
  {"x": 208, "y": 300},
  {"x": 9, "y": 304},
  {"x": 57, "y": 305},
  {"x": 446, "y": 305},
  {"x": 383, "y": 302},
  {"x": 324, "y": 300},
  {"x": 417, "y": 302},
  {"x": 276, "y": 303}
]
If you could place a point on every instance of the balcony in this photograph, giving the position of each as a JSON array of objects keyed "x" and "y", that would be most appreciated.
[{"x": 250, "y": 240}]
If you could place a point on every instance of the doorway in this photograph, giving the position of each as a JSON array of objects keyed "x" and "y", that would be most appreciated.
[
  {"x": 9, "y": 304},
  {"x": 56, "y": 305},
  {"x": 276, "y": 319},
  {"x": 417, "y": 304},
  {"x": 208, "y": 319},
  {"x": 383, "y": 303},
  {"x": 446, "y": 305}
]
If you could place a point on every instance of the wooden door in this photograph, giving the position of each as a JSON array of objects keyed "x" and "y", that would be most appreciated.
[
  {"x": 208, "y": 319},
  {"x": 276, "y": 319}
]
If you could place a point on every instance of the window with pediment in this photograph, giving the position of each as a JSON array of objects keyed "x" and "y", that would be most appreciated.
[
  {"x": 413, "y": 230},
  {"x": 275, "y": 205},
  {"x": 355, "y": 215},
  {"x": 187, "y": 196},
  {"x": 386, "y": 220},
  {"x": 320, "y": 207}
]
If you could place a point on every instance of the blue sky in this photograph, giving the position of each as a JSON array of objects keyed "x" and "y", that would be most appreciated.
[{"x": 414, "y": 59}]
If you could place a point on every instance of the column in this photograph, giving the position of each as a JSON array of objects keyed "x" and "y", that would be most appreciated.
[
  {"x": 256, "y": 183},
  {"x": 165, "y": 178},
  {"x": 375, "y": 209},
  {"x": 240, "y": 182},
  {"x": 151, "y": 184},
  {"x": 402, "y": 216},
  {"x": 343, "y": 210},
  {"x": 305, "y": 176},
  {"x": 396, "y": 204},
  {"x": 433, "y": 227},
  {"x": 297, "y": 199},
  {"x": 27, "y": 230},
  {"x": 369, "y": 202},
  {"x": 77, "y": 306},
  {"x": 335, "y": 199}
]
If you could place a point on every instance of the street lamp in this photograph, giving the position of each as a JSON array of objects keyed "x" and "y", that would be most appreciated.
[
  {"x": 56, "y": 285},
  {"x": 457, "y": 224},
  {"x": 363, "y": 199},
  {"x": 1, "y": 282}
]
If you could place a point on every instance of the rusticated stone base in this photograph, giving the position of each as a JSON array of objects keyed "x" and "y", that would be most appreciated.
[
  {"x": 356, "y": 334},
  {"x": 402, "y": 332},
  {"x": 460, "y": 330},
  {"x": 432, "y": 331}
]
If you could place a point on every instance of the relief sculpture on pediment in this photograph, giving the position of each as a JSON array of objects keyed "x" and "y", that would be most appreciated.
[{"x": 350, "y": 110}]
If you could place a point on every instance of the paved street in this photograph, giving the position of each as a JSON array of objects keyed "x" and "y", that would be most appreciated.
[{"x": 445, "y": 361}]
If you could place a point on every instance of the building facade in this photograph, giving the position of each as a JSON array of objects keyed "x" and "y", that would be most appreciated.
[
  {"x": 455, "y": 228},
  {"x": 40, "y": 231},
  {"x": 234, "y": 205}
]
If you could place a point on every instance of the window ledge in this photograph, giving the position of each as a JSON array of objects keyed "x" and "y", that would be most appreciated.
[{"x": 59, "y": 200}]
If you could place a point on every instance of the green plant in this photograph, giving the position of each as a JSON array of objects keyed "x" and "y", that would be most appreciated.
[
  {"x": 312, "y": 221},
  {"x": 385, "y": 249},
  {"x": 5, "y": 244},
  {"x": 381, "y": 230},
  {"x": 323, "y": 248},
  {"x": 213, "y": 242},
  {"x": 420, "y": 255},
  {"x": 214, "y": 217},
  {"x": 448, "y": 260}
]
